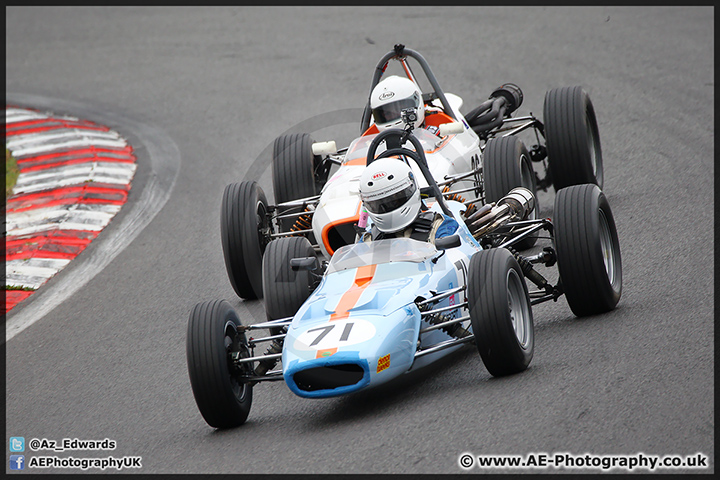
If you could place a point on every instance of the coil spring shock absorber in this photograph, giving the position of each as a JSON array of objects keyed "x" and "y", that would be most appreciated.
[
  {"x": 459, "y": 198},
  {"x": 456, "y": 330},
  {"x": 304, "y": 222},
  {"x": 267, "y": 364}
]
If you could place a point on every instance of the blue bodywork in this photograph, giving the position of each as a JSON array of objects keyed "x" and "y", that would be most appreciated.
[{"x": 361, "y": 326}]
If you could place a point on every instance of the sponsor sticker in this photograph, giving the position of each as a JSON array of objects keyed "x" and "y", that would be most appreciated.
[
  {"x": 326, "y": 353},
  {"x": 383, "y": 363}
]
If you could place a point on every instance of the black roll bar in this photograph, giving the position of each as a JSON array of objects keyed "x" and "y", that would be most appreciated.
[
  {"x": 418, "y": 156},
  {"x": 400, "y": 53}
]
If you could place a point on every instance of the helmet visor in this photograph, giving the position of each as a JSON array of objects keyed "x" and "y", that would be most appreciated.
[
  {"x": 391, "y": 202},
  {"x": 390, "y": 112}
]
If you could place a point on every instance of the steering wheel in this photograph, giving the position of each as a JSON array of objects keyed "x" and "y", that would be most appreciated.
[{"x": 394, "y": 138}]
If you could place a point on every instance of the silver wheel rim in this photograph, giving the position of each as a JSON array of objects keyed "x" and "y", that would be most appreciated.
[
  {"x": 519, "y": 308},
  {"x": 608, "y": 252},
  {"x": 263, "y": 225},
  {"x": 526, "y": 175},
  {"x": 593, "y": 146},
  {"x": 239, "y": 389}
]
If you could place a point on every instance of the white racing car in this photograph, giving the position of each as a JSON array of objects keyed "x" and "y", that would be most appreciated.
[{"x": 475, "y": 158}]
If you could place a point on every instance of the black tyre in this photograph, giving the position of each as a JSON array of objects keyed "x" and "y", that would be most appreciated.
[
  {"x": 500, "y": 312},
  {"x": 286, "y": 290},
  {"x": 212, "y": 336},
  {"x": 293, "y": 176},
  {"x": 293, "y": 168},
  {"x": 572, "y": 137},
  {"x": 588, "y": 250},
  {"x": 245, "y": 231},
  {"x": 506, "y": 165}
]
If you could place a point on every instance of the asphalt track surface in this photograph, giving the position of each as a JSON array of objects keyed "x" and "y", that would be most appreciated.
[{"x": 202, "y": 92}]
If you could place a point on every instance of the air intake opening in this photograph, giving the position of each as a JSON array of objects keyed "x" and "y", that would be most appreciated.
[
  {"x": 341, "y": 235},
  {"x": 327, "y": 378}
]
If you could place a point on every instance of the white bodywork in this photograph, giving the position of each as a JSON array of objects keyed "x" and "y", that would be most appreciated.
[{"x": 339, "y": 202}]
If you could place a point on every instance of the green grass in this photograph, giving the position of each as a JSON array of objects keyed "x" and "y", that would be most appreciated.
[
  {"x": 16, "y": 287},
  {"x": 11, "y": 173}
]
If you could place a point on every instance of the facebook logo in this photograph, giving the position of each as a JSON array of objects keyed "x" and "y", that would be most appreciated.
[
  {"x": 17, "y": 462},
  {"x": 17, "y": 444}
]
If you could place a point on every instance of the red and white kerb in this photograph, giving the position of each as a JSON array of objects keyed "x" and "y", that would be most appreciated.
[{"x": 75, "y": 176}]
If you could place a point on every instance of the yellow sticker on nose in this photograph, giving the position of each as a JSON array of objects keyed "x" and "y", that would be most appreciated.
[{"x": 383, "y": 363}]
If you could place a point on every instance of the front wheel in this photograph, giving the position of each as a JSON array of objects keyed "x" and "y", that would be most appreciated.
[
  {"x": 588, "y": 250},
  {"x": 500, "y": 312},
  {"x": 573, "y": 140},
  {"x": 212, "y": 336},
  {"x": 245, "y": 231}
]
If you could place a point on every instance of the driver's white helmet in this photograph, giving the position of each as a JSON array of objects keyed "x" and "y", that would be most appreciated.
[
  {"x": 390, "y": 97},
  {"x": 390, "y": 194}
]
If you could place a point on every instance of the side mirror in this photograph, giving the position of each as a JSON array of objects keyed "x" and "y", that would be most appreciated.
[
  {"x": 451, "y": 241},
  {"x": 303, "y": 263},
  {"x": 451, "y": 128},
  {"x": 324, "y": 148}
]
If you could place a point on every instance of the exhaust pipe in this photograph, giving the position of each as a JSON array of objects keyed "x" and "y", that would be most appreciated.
[
  {"x": 520, "y": 200},
  {"x": 516, "y": 205}
]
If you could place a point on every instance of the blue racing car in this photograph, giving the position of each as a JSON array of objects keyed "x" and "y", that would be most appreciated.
[{"x": 390, "y": 304}]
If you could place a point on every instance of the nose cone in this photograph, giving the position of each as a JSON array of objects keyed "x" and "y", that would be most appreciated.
[{"x": 331, "y": 358}]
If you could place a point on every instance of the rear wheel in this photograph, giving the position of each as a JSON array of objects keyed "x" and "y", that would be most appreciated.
[
  {"x": 573, "y": 140},
  {"x": 245, "y": 231},
  {"x": 293, "y": 175},
  {"x": 500, "y": 312},
  {"x": 285, "y": 289},
  {"x": 212, "y": 335},
  {"x": 588, "y": 250},
  {"x": 506, "y": 165}
]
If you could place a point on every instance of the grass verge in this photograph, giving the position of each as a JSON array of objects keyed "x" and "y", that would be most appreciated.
[{"x": 11, "y": 173}]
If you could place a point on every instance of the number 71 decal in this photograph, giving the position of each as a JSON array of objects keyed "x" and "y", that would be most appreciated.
[{"x": 335, "y": 334}]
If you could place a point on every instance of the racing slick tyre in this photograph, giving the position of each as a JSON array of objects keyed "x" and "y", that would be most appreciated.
[
  {"x": 500, "y": 312},
  {"x": 212, "y": 335},
  {"x": 286, "y": 289},
  {"x": 506, "y": 165},
  {"x": 293, "y": 167},
  {"x": 245, "y": 231},
  {"x": 572, "y": 138},
  {"x": 293, "y": 176},
  {"x": 587, "y": 249}
]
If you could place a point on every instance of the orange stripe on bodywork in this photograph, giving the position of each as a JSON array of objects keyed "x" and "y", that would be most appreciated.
[
  {"x": 363, "y": 277},
  {"x": 361, "y": 161},
  {"x": 326, "y": 229}
]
